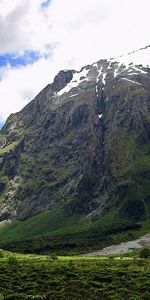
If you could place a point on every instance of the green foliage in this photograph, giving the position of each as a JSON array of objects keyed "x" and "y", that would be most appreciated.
[
  {"x": 73, "y": 278},
  {"x": 12, "y": 260},
  {"x": 131, "y": 168},
  {"x": 133, "y": 209},
  {"x": 53, "y": 256},
  {"x": 144, "y": 253},
  {"x": 73, "y": 241},
  {"x": 56, "y": 232},
  {"x": 1, "y": 253}
]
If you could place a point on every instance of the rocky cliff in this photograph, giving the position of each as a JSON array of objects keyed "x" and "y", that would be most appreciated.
[{"x": 82, "y": 144}]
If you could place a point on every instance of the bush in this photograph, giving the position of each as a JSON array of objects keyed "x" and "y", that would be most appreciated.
[
  {"x": 12, "y": 260},
  {"x": 144, "y": 253},
  {"x": 53, "y": 256},
  {"x": 1, "y": 255}
]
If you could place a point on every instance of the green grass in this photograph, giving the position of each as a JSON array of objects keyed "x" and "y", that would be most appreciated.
[
  {"x": 40, "y": 224},
  {"x": 72, "y": 278},
  {"x": 54, "y": 231},
  {"x": 8, "y": 147}
]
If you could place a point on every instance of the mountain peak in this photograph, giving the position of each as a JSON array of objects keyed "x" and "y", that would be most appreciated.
[
  {"x": 137, "y": 57},
  {"x": 61, "y": 79},
  {"x": 80, "y": 143}
]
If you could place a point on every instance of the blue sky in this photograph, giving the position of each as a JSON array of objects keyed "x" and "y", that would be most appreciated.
[
  {"x": 46, "y": 3},
  {"x": 24, "y": 52},
  {"x": 25, "y": 58},
  {"x": 16, "y": 60},
  {"x": 1, "y": 124}
]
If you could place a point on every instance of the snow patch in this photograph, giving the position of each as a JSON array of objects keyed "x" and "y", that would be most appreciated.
[
  {"x": 99, "y": 74},
  {"x": 109, "y": 65},
  {"x": 95, "y": 65},
  {"x": 96, "y": 90},
  {"x": 103, "y": 79},
  {"x": 132, "y": 74},
  {"x": 97, "y": 79},
  {"x": 73, "y": 95},
  {"x": 116, "y": 71},
  {"x": 130, "y": 81},
  {"x": 139, "y": 70},
  {"x": 78, "y": 77}
]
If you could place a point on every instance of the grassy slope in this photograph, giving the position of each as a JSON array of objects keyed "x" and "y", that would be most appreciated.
[
  {"x": 52, "y": 231},
  {"x": 40, "y": 224}
]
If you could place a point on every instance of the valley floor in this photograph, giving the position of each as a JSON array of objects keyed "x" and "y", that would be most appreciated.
[{"x": 74, "y": 278}]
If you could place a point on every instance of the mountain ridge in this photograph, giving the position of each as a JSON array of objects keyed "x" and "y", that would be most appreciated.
[{"x": 80, "y": 144}]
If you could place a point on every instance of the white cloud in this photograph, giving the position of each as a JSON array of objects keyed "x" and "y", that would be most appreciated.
[
  {"x": 84, "y": 31},
  {"x": 19, "y": 86},
  {"x": 23, "y": 25}
]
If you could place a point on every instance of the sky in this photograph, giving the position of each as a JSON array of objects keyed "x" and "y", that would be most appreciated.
[{"x": 38, "y": 38}]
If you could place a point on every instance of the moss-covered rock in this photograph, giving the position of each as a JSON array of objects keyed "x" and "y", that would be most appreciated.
[{"x": 84, "y": 147}]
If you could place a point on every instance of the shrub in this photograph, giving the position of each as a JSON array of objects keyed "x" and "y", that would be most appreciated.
[
  {"x": 1, "y": 255},
  {"x": 12, "y": 260},
  {"x": 144, "y": 253},
  {"x": 53, "y": 256}
]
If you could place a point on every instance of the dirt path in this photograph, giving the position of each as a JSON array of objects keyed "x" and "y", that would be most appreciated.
[{"x": 124, "y": 247}]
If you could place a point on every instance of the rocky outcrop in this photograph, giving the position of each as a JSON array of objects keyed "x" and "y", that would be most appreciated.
[{"x": 82, "y": 144}]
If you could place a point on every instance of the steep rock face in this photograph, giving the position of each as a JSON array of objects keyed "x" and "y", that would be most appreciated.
[{"x": 82, "y": 144}]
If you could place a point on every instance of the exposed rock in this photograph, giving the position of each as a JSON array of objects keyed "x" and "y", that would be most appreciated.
[
  {"x": 82, "y": 143},
  {"x": 123, "y": 247}
]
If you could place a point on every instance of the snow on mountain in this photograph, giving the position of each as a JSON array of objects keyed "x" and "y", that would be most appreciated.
[
  {"x": 138, "y": 57},
  {"x": 100, "y": 73},
  {"x": 78, "y": 77}
]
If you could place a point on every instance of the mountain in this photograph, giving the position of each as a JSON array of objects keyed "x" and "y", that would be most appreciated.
[{"x": 82, "y": 145}]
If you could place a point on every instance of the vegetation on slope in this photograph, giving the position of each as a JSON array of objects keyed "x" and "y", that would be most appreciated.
[
  {"x": 54, "y": 231},
  {"x": 44, "y": 277}
]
